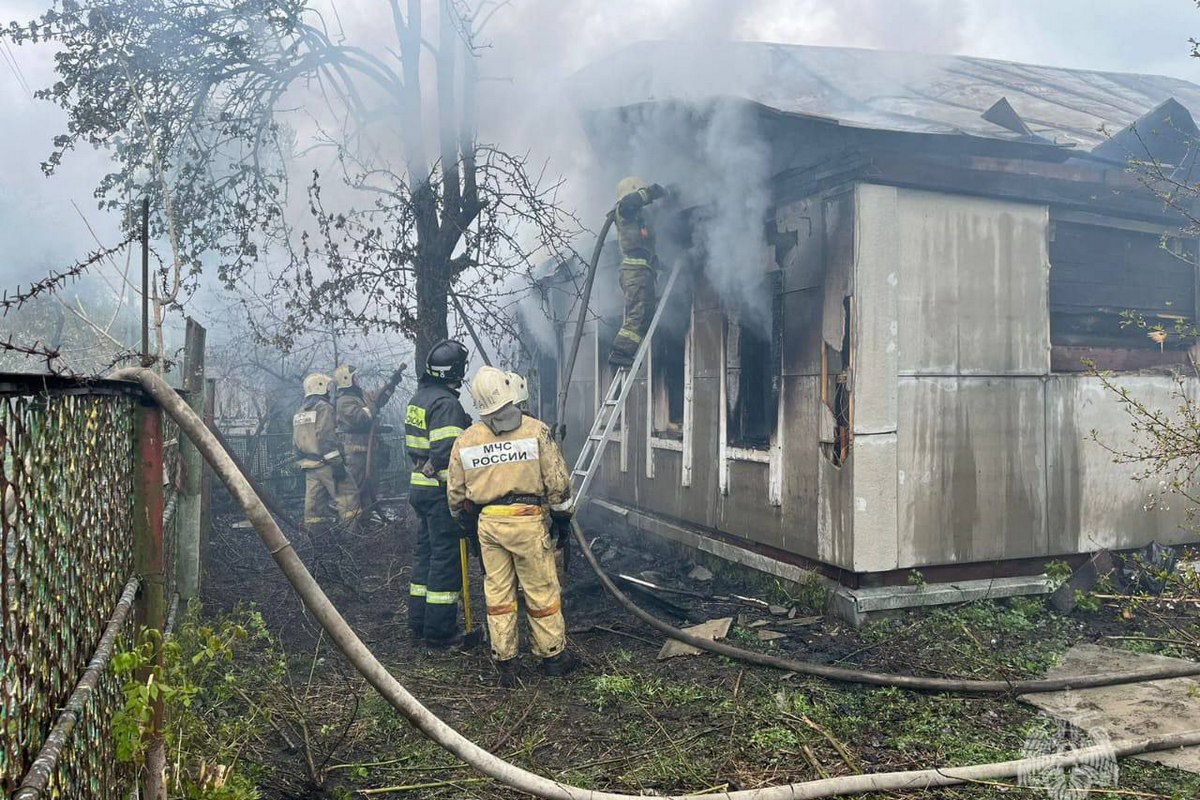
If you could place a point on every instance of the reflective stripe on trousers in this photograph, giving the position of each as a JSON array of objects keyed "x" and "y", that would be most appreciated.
[{"x": 518, "y": 548}]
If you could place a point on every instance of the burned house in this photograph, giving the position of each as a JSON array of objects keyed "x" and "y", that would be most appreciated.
[{"x": 947, "y": 240}]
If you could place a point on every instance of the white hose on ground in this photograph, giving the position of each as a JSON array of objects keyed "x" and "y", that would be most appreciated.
[{"x": 509, "y": 774}]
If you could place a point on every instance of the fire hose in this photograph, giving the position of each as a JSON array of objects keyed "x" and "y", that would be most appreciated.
[
  {"x": 577, "y": 336},
  {"x": 361, "y": 657}
]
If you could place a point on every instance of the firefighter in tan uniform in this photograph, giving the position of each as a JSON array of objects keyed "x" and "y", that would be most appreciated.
[
  {"x": 314, "y": 436},
  {"x": 354, "y": 418},
  {"x": 508, "y": 469},
  {"x": 639, "y": 264},
  {"x": 520, "y": 393}
]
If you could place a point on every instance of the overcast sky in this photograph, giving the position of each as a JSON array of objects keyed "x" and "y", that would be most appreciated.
[{"x": 537, "y": 42}]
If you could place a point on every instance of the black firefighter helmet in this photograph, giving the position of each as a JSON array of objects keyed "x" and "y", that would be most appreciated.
[{"x": 447, "y": 361}]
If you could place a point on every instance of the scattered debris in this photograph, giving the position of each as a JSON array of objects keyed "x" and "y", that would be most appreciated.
[
  {"x": 654, "y": 587},
  {"x": 713, "y": 629},
  {"x": 760, "y": 623},
  {"x": 801, "y": 621},
  {"x": 770, "y": 636},
  {"x": 1147, "y": 569},
  {"x": 242, "y": 525},
  {"x": 779, "y": 611},
  {"x": 700, "y": 574},
  {"x": 1098, "y": 566},
  {"x": 752, "y": 601}
]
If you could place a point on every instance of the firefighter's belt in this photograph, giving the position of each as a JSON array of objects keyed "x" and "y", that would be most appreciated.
[
  {"x": 513, "y": 499},
  {"x": 514, "y": 505}
]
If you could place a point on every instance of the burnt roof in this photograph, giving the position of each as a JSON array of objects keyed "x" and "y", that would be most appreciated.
[{"x": 888, "y": 91}]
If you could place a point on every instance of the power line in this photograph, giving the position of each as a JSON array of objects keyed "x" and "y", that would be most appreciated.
[{"x": 14, "y": 67}]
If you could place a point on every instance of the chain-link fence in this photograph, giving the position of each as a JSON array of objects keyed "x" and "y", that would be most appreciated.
[{"x": 69, "y": 472}]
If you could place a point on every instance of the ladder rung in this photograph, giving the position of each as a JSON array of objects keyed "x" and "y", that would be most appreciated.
[
  {"x": 578, "y": 472},
  {"x": 596, "y": 437}
]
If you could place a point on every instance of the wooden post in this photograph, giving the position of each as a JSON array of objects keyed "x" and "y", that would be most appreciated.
[
  {"x": 149, "y": 560},
  {"x": 189, "y": 510}
]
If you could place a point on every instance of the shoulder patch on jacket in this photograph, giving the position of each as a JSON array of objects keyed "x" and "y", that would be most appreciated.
[
  {"x": 305, "y": 418},
  {"x": 414, "y": 415},
  {"x": 495, "y": 453}
]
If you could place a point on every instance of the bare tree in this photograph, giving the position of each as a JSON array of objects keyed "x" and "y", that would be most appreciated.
[{"x": 220, "y": 101}]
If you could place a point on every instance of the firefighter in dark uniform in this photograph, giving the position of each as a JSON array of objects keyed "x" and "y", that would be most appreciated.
[
  {"x": 433, "y": 420},
  {"x": 639, "y": 265}
]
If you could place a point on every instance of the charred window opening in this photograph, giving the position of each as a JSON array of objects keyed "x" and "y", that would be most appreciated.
[
  {"x": 835, "y": 391},
  {"x": 1117, "y": 296},
  {"x": 752, "y": 358},
  {"x": 606, "y": 332},
  {"x": 668, "y": 368},
  {"x": 544, "y": 383}
]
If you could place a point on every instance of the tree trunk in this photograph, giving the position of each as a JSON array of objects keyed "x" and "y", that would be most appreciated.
[{"x": 432, "y": 286}]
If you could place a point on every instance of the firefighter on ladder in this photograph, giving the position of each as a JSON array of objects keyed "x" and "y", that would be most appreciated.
[
  {"x": 433, "y": 421},
  {"x": 314, "y": 436},
  {"x": 354, "y": 418},
  {"x": 639, "y": 263},
  {"x": 507, "y": 470}
]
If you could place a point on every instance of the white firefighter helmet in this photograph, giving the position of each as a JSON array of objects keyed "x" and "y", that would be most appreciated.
[
  {"x": 628, "y": 186},
  {"x": 491, "y": 390},
  {"x": 345, "y": 376},
  {"x": 317, "y": 383},
  {"x": 520, "y": 388}
]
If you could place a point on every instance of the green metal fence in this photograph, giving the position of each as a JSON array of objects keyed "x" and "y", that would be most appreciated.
[{"x": 69, "y": 477}]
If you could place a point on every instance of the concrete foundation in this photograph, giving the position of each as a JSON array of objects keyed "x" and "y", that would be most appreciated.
[{"x": 854, "y": 606}]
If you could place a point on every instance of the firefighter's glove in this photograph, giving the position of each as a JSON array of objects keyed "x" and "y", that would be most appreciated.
[
  {"x": 468, "y": 520},
  {"x": 560, "y": 529}
]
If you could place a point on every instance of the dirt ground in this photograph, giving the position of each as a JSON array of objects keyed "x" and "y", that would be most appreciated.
[{"x": 628, "y": 722}]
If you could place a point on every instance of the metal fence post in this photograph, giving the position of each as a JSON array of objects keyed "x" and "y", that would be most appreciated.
[
  {"x": 149, "y": 561},
  {"x": 206, "y": 483},
  {"x": 189, "y": 509}
]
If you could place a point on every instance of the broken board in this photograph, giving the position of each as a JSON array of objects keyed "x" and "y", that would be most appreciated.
[
  {"x": 713, "y": 629},
  {"x": 1128, "y": 711}
]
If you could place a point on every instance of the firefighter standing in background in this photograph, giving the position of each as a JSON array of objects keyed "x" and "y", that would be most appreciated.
[
  {"x": 520, "y": 393},
  {"x": 638, "y": 264},
  {"x": 354, "y": 416},
  {"x": 508, "y": 469},
  {"x": 314, "y": 435},
  {"x": 433, "y": 420}
]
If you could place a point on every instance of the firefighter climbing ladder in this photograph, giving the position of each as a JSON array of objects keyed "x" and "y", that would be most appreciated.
[{"x": 591, "y": 455}]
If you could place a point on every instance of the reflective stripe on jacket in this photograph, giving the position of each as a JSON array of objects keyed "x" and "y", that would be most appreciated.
[
  {"x": 634, "y": 232},
  {"x": 432, "y": 421},
  {"x": 353, "y": 420},
  {"x": 314, "y": 433},
  {"x": 485, "y": 468}
]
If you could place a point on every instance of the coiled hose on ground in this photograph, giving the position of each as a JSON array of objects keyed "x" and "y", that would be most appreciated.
[{"x": 509, "y": 774}]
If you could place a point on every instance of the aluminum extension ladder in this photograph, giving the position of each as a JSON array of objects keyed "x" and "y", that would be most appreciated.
[{"x": 591, "y": 455}]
